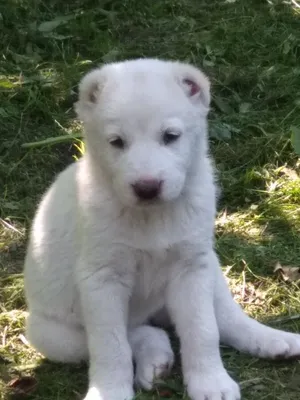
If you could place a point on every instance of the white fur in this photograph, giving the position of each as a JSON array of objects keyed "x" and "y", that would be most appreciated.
[{"x": 100, "y": 264}]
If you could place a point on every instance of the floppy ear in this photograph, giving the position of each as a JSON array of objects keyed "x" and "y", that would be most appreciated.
[
  {"x": 194, "y": 83},
  {"x": 90, "y": 89}
]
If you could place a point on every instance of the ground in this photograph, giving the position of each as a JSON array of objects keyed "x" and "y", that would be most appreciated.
[{"x": 251, "y": 51}]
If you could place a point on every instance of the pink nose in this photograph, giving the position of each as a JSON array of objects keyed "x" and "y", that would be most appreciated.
[{"x": 147, "y": 189}]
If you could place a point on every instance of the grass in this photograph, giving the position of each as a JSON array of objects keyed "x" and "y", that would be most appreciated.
[{"x": 251, "y": 51}]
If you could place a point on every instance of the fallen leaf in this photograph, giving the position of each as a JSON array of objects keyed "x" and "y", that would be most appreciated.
[
  {"x": 208, "y": 63},
  {"x": 288, "y": 273},
  {"x": 222, "y": 131},
  {"x": 111, "y": 56},
  {"x": 49, "y": 26},
  {"x": 22, "y": 385},
  {"x": 244, "y": 107},
  {"x": 258, "y": 388},
  {"x": 11, "y": 205},
  {"x": 222, "y": 105}
]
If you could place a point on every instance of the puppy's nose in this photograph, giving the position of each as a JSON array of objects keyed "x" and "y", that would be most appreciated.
[{"x": 147, "y": 189}]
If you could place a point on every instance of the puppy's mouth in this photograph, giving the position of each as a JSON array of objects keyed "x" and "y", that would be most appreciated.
[{"x": 148, "y": 202}]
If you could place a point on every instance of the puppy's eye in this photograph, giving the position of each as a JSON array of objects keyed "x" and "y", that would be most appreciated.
[
  {"x": 117, "y": 142},
  {"x": 170, "y": 137}
]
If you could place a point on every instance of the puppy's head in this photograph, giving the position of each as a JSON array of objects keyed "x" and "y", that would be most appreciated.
[{"x": 145, "y": 122}]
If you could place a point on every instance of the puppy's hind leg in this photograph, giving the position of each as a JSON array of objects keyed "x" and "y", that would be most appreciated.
[
  {"x": 56, "y": 340},
  {"x": 152, "y": 354},
  {"x": 247, "y": 335}
]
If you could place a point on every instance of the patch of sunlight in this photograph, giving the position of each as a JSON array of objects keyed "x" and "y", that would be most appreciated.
[
  {"x": 73, "y": 127},
  {"x": 295, "y": 5},
  {"x": 14, "y": 343},
  {"x": 10, "y": 81},
  {"x": 260, "y": 296},
  {"x": 279, "y": 201},
  {"x": 47, "y": 77},
  {"x": 241, "y": 222},
  {"x": 10, "y": 232},
  {"x": 12, "y": 294}
]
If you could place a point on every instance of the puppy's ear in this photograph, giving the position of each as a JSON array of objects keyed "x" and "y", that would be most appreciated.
[
  {"x": 194, "y": 83},
  {"x": 90, "y": 89}
]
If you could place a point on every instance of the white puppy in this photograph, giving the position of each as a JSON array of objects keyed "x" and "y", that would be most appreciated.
[{"x": 128, "y": 231}]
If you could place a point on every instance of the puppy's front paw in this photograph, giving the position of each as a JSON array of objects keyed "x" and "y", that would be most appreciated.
[
  {"x": 212, "y": 386},
  {"x": 280, "y": 344},
  {"x": 112, "y": 393},
  {"x": 273, "y": 343}
]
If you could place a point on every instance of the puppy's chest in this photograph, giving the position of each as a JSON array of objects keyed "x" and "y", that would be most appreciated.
[
  {"x": 152, "y": 275},
  {"x": 153, "y": 270},
  {"x": 162, "y": 229}
]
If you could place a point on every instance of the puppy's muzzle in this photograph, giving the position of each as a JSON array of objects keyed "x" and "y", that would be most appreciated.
[{"x": 147, "y": 189}]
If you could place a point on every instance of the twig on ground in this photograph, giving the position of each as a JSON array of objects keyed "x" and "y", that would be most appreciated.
[{"x": 9, "y": 226}]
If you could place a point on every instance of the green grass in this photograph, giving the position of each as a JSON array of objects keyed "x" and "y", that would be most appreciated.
[{"x": 251, "y": 51}]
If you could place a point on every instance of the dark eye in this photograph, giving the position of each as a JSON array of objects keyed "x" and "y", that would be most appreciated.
[
  {"x": 117, "y": 142},
  {"x": 170, "y": 137}
]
